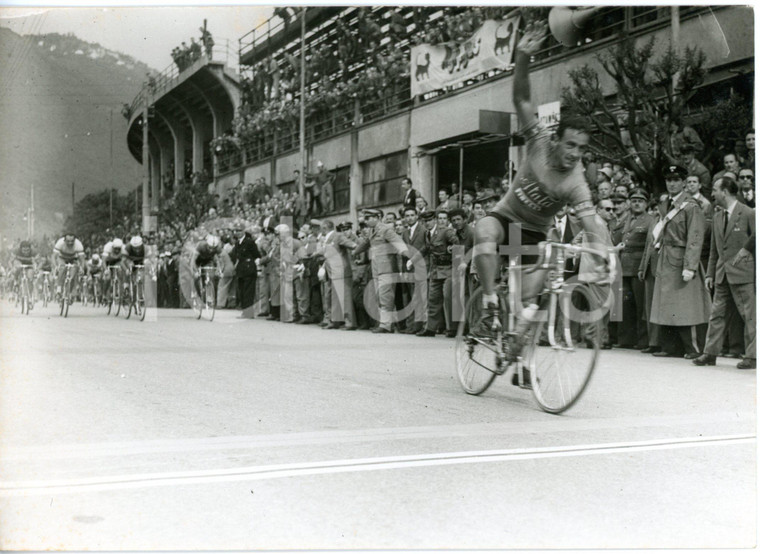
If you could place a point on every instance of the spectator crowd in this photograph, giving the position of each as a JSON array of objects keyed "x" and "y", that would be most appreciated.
[{"x": 686, "y": 258}]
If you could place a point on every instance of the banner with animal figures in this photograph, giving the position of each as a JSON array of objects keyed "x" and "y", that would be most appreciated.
[{"x": 437, "y": 66}]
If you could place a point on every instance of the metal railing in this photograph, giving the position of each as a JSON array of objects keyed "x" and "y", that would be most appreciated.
[{"x": 167, "y": 79}]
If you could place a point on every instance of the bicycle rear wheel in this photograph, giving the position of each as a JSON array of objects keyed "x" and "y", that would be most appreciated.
[
  {"x": 209, "y": 300},
  {"x": 477, "y": 360},
  {"x": 561, "y": 372}
]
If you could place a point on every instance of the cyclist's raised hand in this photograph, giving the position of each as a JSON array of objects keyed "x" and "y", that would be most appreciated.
[{"x": 532, "y": 37}]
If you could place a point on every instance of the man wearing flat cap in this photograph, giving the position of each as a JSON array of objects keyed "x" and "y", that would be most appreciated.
[
  {"x": 384, "y": 245},
  {"x": 244, "y": 254},
  {"x": 680, "y": 302}
]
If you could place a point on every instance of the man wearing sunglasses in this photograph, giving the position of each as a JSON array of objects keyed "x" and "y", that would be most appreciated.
[{"x": 746, "y": 181}]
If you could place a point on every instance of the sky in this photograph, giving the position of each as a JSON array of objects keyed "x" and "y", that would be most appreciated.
[{"x": 147, "y": 34}]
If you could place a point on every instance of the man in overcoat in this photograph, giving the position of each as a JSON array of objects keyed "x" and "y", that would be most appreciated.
[
  {"x": 337, "y": 255},
  {"x": 680, "y": 301},
  {"x": 384, "y": 245}
]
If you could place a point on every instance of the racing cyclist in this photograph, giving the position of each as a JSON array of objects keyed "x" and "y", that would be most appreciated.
[
  {"x": 550, "y": 178},
  {"x": 206, "y": 253},
  {"x": 68, "y": 250},
  {"x": 23, "y": 260},
  {"x": 111, "y": 258},
  {"x": 133, "y": 254},
  {"x": 94, "y": 267}
]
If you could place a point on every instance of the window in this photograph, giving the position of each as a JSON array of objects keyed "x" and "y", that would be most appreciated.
[
  {"x": 342, "y": 189},
  {"x": 381, "y": 179},
  {"x": 287, "y": 188}
]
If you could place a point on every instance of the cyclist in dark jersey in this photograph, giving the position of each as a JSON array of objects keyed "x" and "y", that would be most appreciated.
[
  {"x": 206, "y": 253},
  {"x": 133, "y": 253},
  {"x": 550, "y": 178},
  {"x": 23, "y": 259}
]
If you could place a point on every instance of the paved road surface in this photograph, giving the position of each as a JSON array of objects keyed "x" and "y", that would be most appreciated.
[{"x": 237, "y": 434}]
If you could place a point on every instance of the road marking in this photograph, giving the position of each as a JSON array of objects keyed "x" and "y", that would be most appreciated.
[
  {"x": 9, "y": 452},
  {"x": 257, "y": 473}
]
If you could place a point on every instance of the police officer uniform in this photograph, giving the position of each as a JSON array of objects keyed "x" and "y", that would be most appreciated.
[
  {"x": 682, "y": 306},
  {"x": 633, "y": 332}
]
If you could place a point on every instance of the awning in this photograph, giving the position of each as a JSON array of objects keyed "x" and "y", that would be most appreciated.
[{"x": 492, "y": 126}]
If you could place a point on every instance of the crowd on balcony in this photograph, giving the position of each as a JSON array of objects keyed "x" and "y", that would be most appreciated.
[{"x": 184, "y": 55}]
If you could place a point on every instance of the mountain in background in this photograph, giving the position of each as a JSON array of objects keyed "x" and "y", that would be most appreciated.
[{"x": 61, "y": 123}]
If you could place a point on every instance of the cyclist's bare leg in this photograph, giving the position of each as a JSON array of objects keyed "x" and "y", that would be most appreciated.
[{"x": 489, "y": 234}]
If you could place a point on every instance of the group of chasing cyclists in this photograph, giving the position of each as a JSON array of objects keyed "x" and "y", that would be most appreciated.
[
  {"x": 68, "y": 260},
  {"x": 117, "y": 259}
]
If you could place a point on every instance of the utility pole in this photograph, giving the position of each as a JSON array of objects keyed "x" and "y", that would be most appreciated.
[
  {"x": 73, "y": 196},
  {"x": 675, "y": 37},
  {"x": 146, "y": 170},
  {"x": 110, "y": 188},
  {"x": 31, "y": 215},
  {"x": 302, "y": 123}
]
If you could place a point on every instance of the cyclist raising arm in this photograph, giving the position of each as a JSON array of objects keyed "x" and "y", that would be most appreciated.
[
  {"x": 549, "y": 178},
  {"x": 68, "y": 250}
]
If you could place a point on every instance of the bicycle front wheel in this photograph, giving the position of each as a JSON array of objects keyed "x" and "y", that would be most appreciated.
[
  {"x": 560, "y": 372},
  {"x": 195, "y": 299},
  {"x": 140, "y": 300},
  {"x": 210, "y": 300},
  {"x": 66, "y": 298},
  {"x": 477, "y": 360},
  {"x": 129, "y": 299}
]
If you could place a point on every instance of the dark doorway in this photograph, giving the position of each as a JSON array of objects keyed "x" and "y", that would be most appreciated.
[{"x": 480, "y": 162}]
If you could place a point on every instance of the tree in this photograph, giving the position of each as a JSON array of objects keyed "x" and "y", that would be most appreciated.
[
  {"x": 191, "y": 202},
  {"x": 92, "y": 214},
  {"x": 633, "y": 126}
]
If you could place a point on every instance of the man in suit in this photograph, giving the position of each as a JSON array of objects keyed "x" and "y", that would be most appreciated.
[
  {"x": 633, "y": 331},
  {"x": 415, "y": 293},
  {"x": 244, "y": 255},
  {"x": 680, "y": 302},
  {"x": 731, "y": 271},
  {"x": 410, "y": 195},
  {"x": 438, "y": 245},
  {"x": 384, "y": 245},
  {"x": 337, "y": 255}
]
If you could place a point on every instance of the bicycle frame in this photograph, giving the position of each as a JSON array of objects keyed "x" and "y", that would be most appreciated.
[{"x": 517, "y": 345}]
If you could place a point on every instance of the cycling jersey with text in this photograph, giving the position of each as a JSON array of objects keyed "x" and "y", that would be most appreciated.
[{"x": 539, "y": 190}]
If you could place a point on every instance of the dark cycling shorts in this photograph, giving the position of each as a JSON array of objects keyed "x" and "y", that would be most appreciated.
[
  {"x": 527, "y": 237},
  {"x": 200, "y": 262}
]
